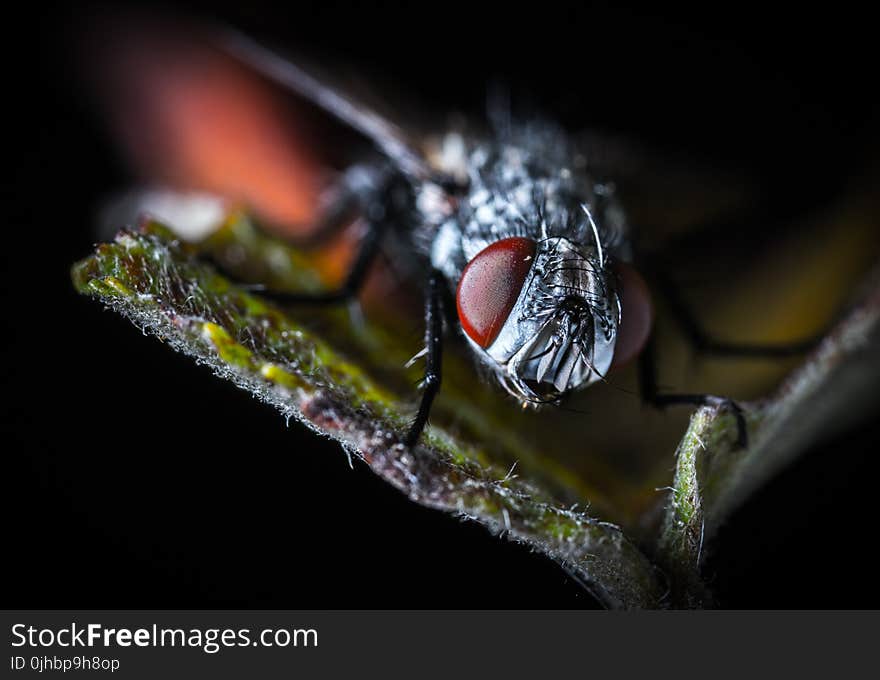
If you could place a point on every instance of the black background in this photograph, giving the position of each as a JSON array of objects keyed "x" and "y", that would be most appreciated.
[{"x": 151, "y": 497}]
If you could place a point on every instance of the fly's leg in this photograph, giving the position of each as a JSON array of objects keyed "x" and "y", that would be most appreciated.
[
  {"x": 434, "y": 358},
  {"x": 652, "y": 395},
  {"x": 362, "y": 190},
  {"x": 704, "y": 343},
  {"x": 354, "y": 280}
]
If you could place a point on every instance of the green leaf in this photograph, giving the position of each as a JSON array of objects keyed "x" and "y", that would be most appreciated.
[
  {"x": 554, "y": 480},
  {"x": 834, "y": 389},
  {"x": 161, "y": 286}
]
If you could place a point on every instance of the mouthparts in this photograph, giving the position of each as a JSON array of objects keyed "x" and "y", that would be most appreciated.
[{"x": 560, "y": 358}]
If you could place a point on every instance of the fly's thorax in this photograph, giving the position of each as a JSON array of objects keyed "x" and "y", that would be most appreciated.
[
  {"x": 558, "y": 332},
  {"x": 530, "y": 190}
]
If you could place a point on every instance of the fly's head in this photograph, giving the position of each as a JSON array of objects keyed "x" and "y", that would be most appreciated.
[{"x": 542, "y": 314}]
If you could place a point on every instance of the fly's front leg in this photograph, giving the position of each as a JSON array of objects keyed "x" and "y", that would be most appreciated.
[
  {"x": 434, "y": 354},
  {"x": 652, "y": 395}
]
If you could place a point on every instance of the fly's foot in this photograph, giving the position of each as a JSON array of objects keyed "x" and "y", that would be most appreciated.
[
  {"x": 430, "y": 387},
  {"x": 413, "y": 433},
  {"x": 725, "y": 403}
]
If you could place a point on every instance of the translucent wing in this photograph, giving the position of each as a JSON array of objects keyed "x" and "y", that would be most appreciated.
[{"x": 388, "y": 137}]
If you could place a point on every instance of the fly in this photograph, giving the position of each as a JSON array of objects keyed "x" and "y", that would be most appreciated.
[{"x": 524, "y": 252}]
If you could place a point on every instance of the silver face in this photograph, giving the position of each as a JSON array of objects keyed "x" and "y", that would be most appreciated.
[{"x": 561, "y": 333}]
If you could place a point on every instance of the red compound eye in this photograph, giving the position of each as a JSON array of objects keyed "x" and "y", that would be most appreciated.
[{"x": 490, "y": 286}]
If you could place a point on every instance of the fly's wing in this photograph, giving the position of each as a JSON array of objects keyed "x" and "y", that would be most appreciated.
[{"x": 305, "y": 81}]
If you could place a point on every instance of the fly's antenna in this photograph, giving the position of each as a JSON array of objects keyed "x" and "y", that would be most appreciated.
[{"x": 595, "y": 235}]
